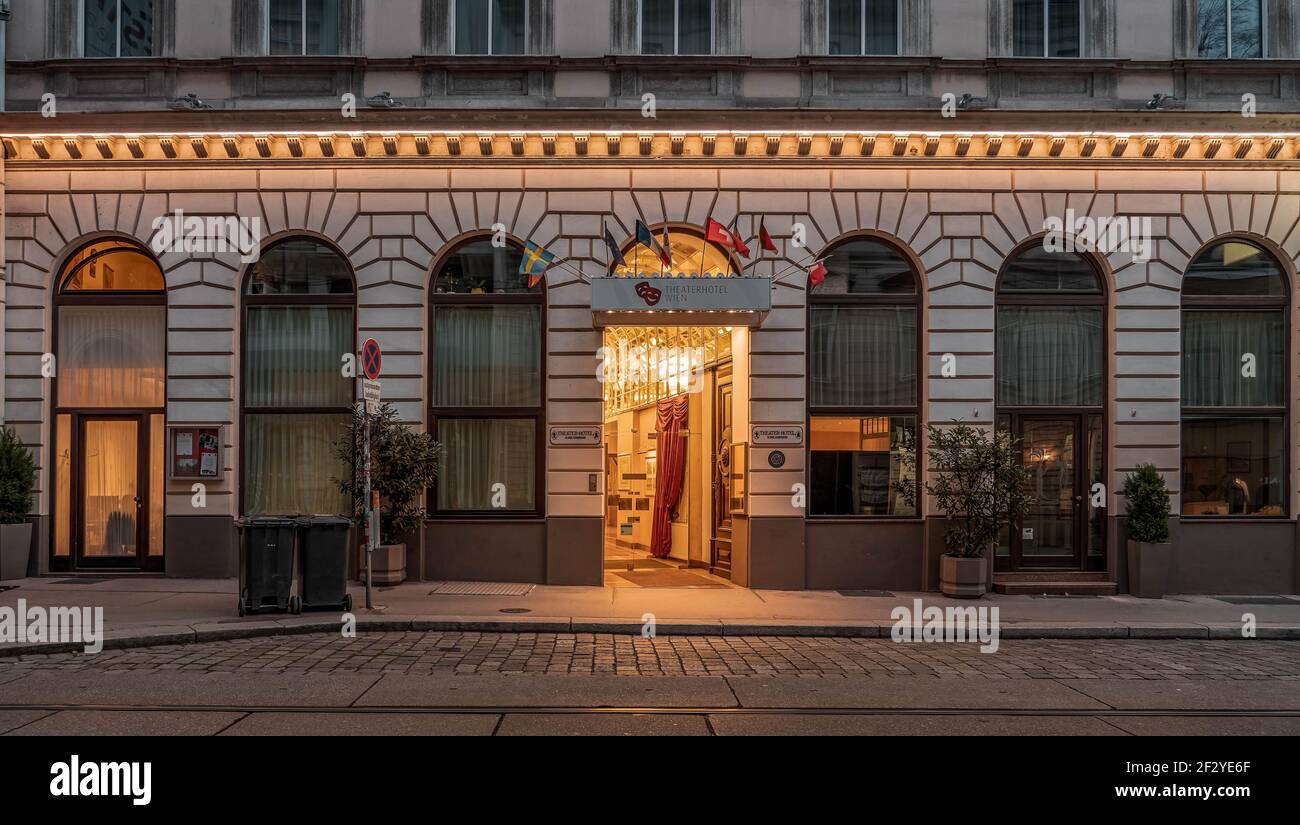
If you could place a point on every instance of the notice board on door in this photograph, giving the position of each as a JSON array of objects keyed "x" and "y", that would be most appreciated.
[{"x": 193, "y": 452}]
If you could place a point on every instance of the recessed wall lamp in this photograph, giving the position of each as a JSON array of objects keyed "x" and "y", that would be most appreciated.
[
  {"x": 1160, "y": 100},
  {"x": 969, "y": 101},
  {"x": 384, "y": 100}
]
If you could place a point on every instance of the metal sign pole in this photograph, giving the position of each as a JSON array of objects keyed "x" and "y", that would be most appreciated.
[{"x": 370, "y": 514}]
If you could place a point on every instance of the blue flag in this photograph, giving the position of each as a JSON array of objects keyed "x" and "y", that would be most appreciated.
[
  {"x": 535, "y": 263},
  {"x": 616, "y": 254}
]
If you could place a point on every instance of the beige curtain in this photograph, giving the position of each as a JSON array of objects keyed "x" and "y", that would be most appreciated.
[{"x": 112, "y": 356}]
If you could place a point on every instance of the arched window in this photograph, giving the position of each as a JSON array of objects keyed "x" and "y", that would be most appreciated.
[
  {"x": 299, "y": 322},
  {"x": 110, "y": 406},
  {"x": 1234, "y": 383},
  {"x": 864, "y": 340},
  {"x": 486, "y": 353},
  {"x": 1050, "y": 378}
]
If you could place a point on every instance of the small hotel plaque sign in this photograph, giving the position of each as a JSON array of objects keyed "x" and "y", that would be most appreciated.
[
  {"x": 792, "y": 435},
  {"x": 738, "y": 294},
  {"x": 575, "y": 436}
]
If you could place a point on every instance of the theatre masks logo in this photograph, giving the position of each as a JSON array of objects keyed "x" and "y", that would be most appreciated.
[
  {"x": 1084, "y": 233},
  {"x": 207, "y": 235}
]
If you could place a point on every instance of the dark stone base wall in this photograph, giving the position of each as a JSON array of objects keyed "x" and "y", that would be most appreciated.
[
  {"x": 493, "y": 551},
  {"x": 777, "y": 554},
  {"x": 845, "y": 555},
  {"x": 1245, "y": 558},
  {"x": 575, "y": 551},
  {"x": 201, "y": 547}
]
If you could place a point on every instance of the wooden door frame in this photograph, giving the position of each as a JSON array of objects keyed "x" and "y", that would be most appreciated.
[{"x": 142, "y": 561}]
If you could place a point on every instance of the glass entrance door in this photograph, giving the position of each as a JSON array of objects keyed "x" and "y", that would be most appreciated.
[
  {"x": 1049, "y": 534},
  {"x": 112, "y": 512}
]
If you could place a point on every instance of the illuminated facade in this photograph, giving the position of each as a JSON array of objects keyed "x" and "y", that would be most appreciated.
[{"x": 380, "y": 148}]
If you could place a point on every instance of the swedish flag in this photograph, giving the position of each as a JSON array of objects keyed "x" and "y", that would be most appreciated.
[{"x": 535, "y": 263}]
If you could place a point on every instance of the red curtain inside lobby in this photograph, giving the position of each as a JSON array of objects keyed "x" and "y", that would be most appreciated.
[{"x": 671, "y": 449}]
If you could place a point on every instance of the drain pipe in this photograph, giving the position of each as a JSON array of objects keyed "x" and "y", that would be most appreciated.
[{"x": 4, "y": 20}]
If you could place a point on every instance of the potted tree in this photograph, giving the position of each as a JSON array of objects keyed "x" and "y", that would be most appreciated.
[
  {"x": 1147, "y": 507},
  {"x": 17, "y": 480},
  {"x": 403, "y": 463},
  {"x": 981, "y": 485}
]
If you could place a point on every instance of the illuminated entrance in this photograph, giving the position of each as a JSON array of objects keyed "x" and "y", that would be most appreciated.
[{"x": 673, "y": 462}]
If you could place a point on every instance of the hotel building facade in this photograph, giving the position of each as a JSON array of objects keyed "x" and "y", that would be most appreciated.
[{"x": 1078, "y": 220}]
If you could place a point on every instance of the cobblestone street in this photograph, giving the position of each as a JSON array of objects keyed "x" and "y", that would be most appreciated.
[{"x": 550, "y": 653}]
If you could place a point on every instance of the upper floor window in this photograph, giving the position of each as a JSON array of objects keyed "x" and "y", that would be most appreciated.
[
  {"x": 1230, "y": 28},
  {"x": 117, "y": 28},
  {"x": 676, "y": 26},
  {"x": 302, "y": 27},
  {"x": 1048, "y": 28},
  {"x": 863, "y": 27},
  {"x": 491, "y": 26}
]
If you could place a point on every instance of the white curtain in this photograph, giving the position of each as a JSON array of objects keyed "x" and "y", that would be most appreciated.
[
  {"x": 293, "y": 356},
  {"x": 1214, "y": 344},
  {"x": 112, "y": 483},
  {"x": 290, "y": 467},
  {"x": 112, "y": 356},
  {"x": 863, "y": 356},
  {"x": 482, "y": 453},
  {"x": 487, "y": 356},
  {"x": 1049, "y": 357}
]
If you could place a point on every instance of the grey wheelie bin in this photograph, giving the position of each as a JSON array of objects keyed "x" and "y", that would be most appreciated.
[
  {"x": 266, "y": 566},
  {"x": 323, "y": 559}
]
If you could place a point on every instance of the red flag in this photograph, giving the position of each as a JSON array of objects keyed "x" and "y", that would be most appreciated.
[
  {"x": 817, "y": 274},
  {"x": 718, "y": 234},
  {"x": 765, "y": 239},
  {"x": 739, "y": 245}
]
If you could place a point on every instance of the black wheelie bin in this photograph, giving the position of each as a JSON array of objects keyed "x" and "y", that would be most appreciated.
[
  {"x": 323, "y": 560},
  {"x": 266, "y": 561}
]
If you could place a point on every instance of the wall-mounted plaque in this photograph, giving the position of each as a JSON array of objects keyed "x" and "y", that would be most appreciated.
[
  {"x": 784, "y": 435},
  {"x": 583, "y": 436},
  {"x": 194, "y": 452}
]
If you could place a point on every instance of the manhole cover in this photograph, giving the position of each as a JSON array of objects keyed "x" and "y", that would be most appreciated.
[
  {"x": 515, "y": 610},
  {"x": 481, "y": 589}
]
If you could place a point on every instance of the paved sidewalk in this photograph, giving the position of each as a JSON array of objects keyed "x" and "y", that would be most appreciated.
[{"x": 148, "y": 611}]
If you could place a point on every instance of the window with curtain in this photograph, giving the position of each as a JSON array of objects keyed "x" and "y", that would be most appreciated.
[
  {"x": 1047, "y": 28},
  {"x": 490, "y": 26},
  {"x": 1234, "y": 383},
  {"x": 486, "y": 397},
  {"x": 1050, "y": 332},
  {"x": 863, "y": 27},
  {"x": 864, "y": 339},
  {"x": 117, "y": 28},
  {"x": 1230, "y": 29},
  {"x": 676, "y": 27},
  {"x": 302, "y": 27},
  {"x": 299, "y": 322}
]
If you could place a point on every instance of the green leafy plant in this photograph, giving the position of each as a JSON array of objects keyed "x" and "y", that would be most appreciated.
[
  {"x": 17, "y": 478},
  {"x": 403, "y": 463},
  {"x": 979, "y": 482},
  {"x": 1147, "y": 505}
]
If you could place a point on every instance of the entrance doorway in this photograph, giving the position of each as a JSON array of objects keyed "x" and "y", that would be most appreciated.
[
  {"x": 109, "y": 411},
  {"x": 669, "y": 419},
  {"x": 1063, "y": 453}
]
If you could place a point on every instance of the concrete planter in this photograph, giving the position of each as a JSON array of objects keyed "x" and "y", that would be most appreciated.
[
  {"x": 962, "y": 578},
  {"x": 389, "y": 564},
  {"x": 15, "y": 547},
  {"x": 1148, "y": 569}
]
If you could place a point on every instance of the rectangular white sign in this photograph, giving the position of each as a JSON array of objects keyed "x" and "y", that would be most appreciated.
[
  {"x": 792, "y": 435},
  {"x": 585, "y": 436},
  {"x": 370, "y": 392},
  {"x": 742, "y": 294}
]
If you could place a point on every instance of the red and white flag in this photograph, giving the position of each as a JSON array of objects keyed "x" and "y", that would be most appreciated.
[
  {"x": 718, "y": 234},
  {"x": 817, "y": 274}
]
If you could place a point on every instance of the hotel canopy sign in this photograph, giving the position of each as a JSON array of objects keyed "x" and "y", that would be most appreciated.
[{"x": 655, "y": 299}]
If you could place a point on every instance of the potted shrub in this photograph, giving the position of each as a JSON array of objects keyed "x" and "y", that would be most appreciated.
[
  {"x": 403, "y": 463},
  {"x": 17, "y": 480},
  {"x": 1147, "y": 508},
  {"x": 980, "y": 484}
]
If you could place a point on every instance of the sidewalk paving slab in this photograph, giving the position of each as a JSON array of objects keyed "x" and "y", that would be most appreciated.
[
  {"x": 520, "y": 691},
  {"x": 129, "y": 723},
  {"x": 1207, "y": 725},
  {"x": 778, "y": 724},
  {"x": 172, "y": 688},
  {"x": 11, "y": 719},
  {"x": 364, "y": 724},
  {"x": 908, "y": 692},
  {"x": 1163, "y": 694},
  {"x": 605, "y": 724}
]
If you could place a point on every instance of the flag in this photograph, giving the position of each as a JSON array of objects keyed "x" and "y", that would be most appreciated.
[
  {"x": 615, "y": 254},
  {"x": 764, "y": 238},
  {"x": 739, "y": 245},
  {"x": 718, "y": 234},
  {"x": 666, "y": 251},
  {"x": 535, "y": 263},
  {"x": 647, "y": 239},
  {"x": 817, "y": 274}
]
